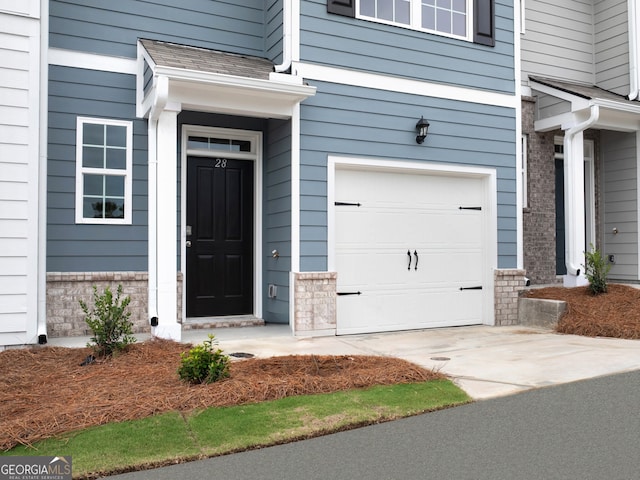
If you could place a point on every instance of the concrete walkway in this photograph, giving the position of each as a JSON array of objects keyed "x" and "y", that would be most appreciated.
[{"x": 485, "y": 361}]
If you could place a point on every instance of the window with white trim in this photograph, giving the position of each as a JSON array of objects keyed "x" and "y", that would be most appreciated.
[
  {"x": 104, "y": 152},
  {"x": 448, "y": 17},
  {"x": 471, "y": 20}
]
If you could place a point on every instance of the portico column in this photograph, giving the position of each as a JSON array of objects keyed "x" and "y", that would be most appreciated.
[
  {"x": 574, "y": 200},
  {"x": 166, "y": 226}
]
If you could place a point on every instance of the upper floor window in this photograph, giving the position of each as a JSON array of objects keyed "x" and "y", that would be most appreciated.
[
  {"x": 104, "y": 154},
  {"x": 449, "y": 17},
  {"x": 472, "y": 20}
]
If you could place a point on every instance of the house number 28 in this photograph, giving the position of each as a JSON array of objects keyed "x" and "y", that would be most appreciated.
[{"x": 221, "y": 163}]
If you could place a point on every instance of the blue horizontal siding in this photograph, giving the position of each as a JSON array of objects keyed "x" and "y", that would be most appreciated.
[
  {"x": 361, "y": 122},
  {"x": 81, "y": 248},
  {"x": 277, "y": 219},
  {"x": 391, "y": 50},
  {"x": 112, "y": 28},
  {"x": 273, "y": 30}
]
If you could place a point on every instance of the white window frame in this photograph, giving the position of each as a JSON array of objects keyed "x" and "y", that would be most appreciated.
[
  {"x": 126, "y": 173},
  {"x": 415, "y": 20}
]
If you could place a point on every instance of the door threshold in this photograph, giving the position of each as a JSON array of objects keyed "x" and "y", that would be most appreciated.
[{"x": 193, "y": 323}]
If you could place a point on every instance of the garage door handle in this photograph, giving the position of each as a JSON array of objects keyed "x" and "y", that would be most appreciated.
[
  {"x": 415, "y": 254},
  {"x": 409, "y": 255}
]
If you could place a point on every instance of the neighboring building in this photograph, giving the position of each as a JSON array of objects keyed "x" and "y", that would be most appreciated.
[
  {"x": 581, "y": 118},
  {"x": 21, "y": 229},
  {"x": 238, "y": 162}
]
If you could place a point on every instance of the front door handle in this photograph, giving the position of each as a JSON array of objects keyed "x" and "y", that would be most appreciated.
[{"x": 187, "y": 243}]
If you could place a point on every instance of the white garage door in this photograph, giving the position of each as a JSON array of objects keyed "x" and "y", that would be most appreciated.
[{"x": 408, "y": 250}]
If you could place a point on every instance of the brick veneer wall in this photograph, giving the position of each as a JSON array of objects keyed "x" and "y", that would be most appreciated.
[
  {"x": 539, "y": 218},
  {"x": 314, "y": 303},
  {"x": 64, "y": 291},
  {"x": 508, "y": 285}
]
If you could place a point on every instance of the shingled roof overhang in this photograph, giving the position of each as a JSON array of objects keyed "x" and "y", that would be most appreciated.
[
  {"x": 617, "y": 112},
  {"x": 193, "y": 78}
]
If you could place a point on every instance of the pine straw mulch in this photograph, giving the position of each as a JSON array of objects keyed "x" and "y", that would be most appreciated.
[
  {"x": 44, "y": 392},
  {"x": 615, "y": 313}
]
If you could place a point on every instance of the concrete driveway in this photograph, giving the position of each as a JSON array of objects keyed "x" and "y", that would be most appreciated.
[{"x": 484, "y": 361}]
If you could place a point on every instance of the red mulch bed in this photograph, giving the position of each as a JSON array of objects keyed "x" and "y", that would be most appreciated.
[
  {"x": 45, "y": 392},
  {"x": 615, "y": 313}
]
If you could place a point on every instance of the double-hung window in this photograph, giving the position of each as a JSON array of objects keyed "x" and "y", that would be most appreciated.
[
  {"x": 472, "y": 20},
  {"x": 448, "y": 17},
  {"x": 104, "y": 154}
]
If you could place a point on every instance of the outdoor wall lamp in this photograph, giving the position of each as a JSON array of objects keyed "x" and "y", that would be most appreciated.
[{"x": 422, "y": 127}]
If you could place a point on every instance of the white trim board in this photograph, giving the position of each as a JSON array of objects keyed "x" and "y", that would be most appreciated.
[
  {"x": 92, "y": 61},
  {"x": 404, "y": 85}
]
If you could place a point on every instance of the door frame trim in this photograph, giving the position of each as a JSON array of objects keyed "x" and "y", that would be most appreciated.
[
  {"x": 490, "y": 226},
  {"x": 256, "y": 156}
]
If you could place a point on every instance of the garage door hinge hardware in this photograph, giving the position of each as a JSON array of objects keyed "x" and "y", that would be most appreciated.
[
  {"x": 470, "y": 208},
  {"x": 342, "y": 294},
  {"x": 346, "y": 204},
  {"x": 471, "y": 288}
]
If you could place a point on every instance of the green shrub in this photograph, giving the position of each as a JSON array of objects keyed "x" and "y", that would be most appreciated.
[
  {"x": 596, "y": 271},
  {"x": 109, "y": 321},
  {"x": 204, "y": 363}
]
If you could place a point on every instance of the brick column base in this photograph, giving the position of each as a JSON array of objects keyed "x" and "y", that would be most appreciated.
[
  {"x": 508, "y": 285},
  {"x": 314, "y": 303},
  {"x": 65, "y": 290}
]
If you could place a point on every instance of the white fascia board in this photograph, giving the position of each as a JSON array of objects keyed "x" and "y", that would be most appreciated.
[
  {"x": 233, "y": 95},
  {"x": 376, "y": 81},
  {"x": 617, "y": 106},
  {"x": 142, "y": 104},
  {"x": 289, "y": 89},
  {"x": 552, "y": 123},
  {"x": 91, "y": 61},
  {"x": 577, "y": 103},
  {"x": 227, "y": 100}
]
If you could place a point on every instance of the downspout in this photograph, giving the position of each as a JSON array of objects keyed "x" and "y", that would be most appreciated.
[
  {"x": 42, "y": 174},
  {"x": 159, "y": 103},
  {"x": 634, "y": 19},
  {"x": 287, "y": 34},
  {"x": 572, "y": 255}
]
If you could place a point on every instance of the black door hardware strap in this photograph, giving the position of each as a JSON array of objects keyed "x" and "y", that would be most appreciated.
[
  {"x": 342, "y": 294},
  {"x": 409, "y": 255},
  {"x": 471, "y": 288},
  {"x": 415, "y": 254},
  {"x": 346, "y": 204},
  {"x": 470, "y": 208}
]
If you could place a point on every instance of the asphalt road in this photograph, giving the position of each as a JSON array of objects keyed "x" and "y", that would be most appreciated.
[{"x": 583, "y": 430}]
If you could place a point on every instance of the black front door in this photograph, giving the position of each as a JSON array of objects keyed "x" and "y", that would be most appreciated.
[{"x": 220, "y": 252}]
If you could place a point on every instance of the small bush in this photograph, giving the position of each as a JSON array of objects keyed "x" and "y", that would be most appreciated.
[
  {"x": 204, "y": 363},
  {"x": 596, "y": 271},
  {"x": 109, "y": 321}
]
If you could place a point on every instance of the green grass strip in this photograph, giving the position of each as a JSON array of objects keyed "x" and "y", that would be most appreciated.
[{"x": 172, "y": 437}]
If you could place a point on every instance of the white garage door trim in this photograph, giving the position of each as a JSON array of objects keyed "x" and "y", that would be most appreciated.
[{"x": 488, "y": 180}]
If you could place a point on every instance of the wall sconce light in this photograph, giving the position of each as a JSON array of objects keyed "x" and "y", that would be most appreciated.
[{"x": 422, "y": 127}]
